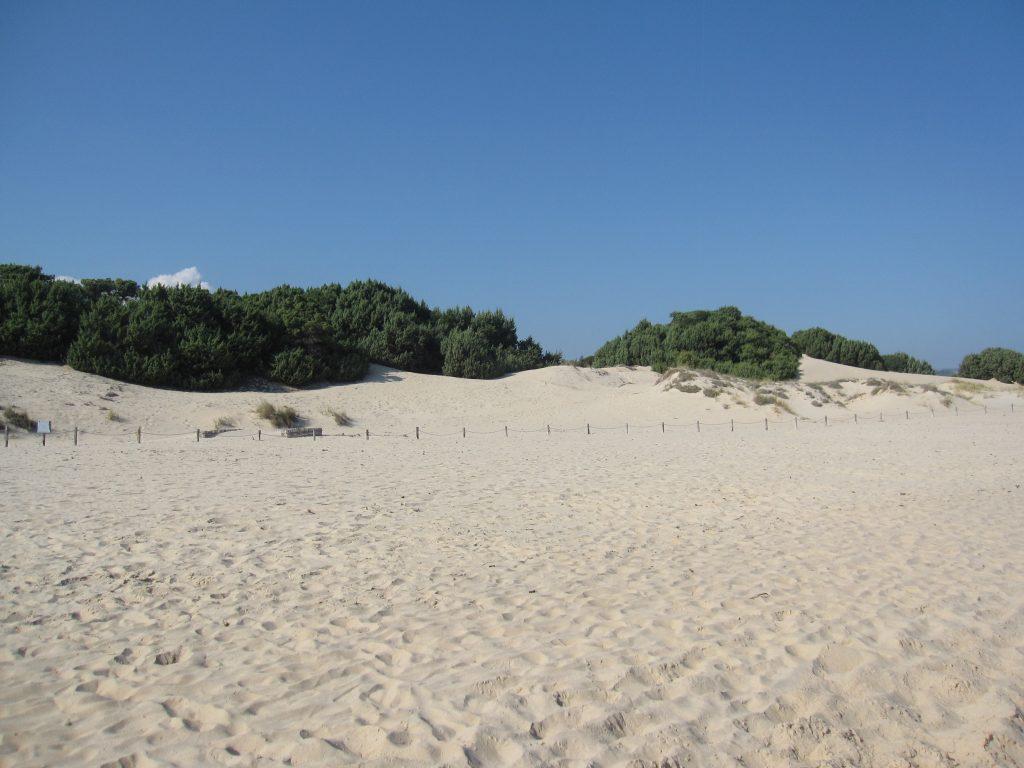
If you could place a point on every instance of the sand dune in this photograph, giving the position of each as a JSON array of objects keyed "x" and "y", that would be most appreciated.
[
  {"x": 563, "y": 396},
  {"x": 850, "y": 595}
]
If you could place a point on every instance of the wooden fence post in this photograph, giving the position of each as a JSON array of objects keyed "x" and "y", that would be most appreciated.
[
  {"x": 627, "y": 427},
  {"x": 417, "y": 433},
  {"x": 506, "y": 430},
  {"x": 76, "y": 435},
  {"x": 698, "y": 425},
  {"x": 44, "y": 439},
  {"x": 138, "y": 435},
  {"x": 463, "y": 433},
  {"x": 367, "y": 434},
  {"x": 549, "y": 429},
  {"x": 765, "y": 423},
  {"x": 588, "y": 429},
  {"x": 732, "y": 425},
  {"x": 663, "y": 427},
  {"x": 7, "y": 436},
  {"x": 855, "y": 418},
  {"x": 826, "y": 419},
  {"x": 259, "y": 434},
  {"x": 197, "y": 434},
  {"x": 908, "y": 415}
]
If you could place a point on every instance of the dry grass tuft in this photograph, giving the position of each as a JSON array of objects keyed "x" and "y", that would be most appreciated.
[
  {"x": 340, "y": 417},
  {"x": 762, "y": 398},
  {"x": 16, "y": 417},
  {"x": 880, "y": 387},
  {"x": 969, "y": 387},
  {"x": 284, "y": 416}
]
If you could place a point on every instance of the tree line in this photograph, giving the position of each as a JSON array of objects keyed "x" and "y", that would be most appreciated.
[
  {"x": 825, "y": 345},
  {"x": 727, "y": 341},
  {"x": 191, "y": 338}
]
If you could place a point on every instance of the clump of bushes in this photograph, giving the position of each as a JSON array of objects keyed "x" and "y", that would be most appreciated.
[
  {"x": 690, "y": 389},
  {"x": 723, "y": 340},
  {"x": 1006, "y": 365},
  {"x": 16, "y": 417},
  {"x": 191, "y": 338},
  {"x": 825, "y": 345},
  {"x": 712, "y": 392},
  {"x": 223, "y": 422},
  {"x": 901, "y": 362},
  {"x": 280, "y": 416},
  {"x": 113, "y": 415}
]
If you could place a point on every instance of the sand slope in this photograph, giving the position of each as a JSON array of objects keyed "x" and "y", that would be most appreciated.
[
  {"x": 563, "y": 396},
  {"x": 850, "y": 595}
]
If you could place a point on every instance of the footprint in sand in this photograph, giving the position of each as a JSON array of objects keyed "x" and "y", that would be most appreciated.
[
  {"x": 488, "y": 750},
  {"x": 195, "y": 716},
  {"x": 837, "y": 660}
]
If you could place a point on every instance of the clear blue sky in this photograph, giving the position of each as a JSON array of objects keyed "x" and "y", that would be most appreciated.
[{"x": 581, "y": 165}]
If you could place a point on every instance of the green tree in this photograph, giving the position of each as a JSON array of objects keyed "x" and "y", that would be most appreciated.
[
  {"x": 722, "y": 340},
  {"x": 901, "y": 362},
  {"x": 1006, "y": 365}
]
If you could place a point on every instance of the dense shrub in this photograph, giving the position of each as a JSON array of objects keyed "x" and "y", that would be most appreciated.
[
  {"x": 722, "y": 340},
  {"x": 825, "y": 345},
  {"x": 294, "y": 367},
  {"x": 191, "y": 338},
  {"x": 999, "y": 363},
  {"x": 901, "y": 362},
  {"x": 39, "y": 315}
]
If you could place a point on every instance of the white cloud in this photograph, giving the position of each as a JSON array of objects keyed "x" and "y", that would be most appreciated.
[
  {"x": 186, "y": 276},
  {"x": 66, "y": 279}
]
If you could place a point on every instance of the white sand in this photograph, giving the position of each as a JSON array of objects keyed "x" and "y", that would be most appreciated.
[{"x": 850, "y": 595}]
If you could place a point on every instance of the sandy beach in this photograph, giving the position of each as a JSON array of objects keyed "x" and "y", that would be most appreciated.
[{"x": 841, "y": 595}]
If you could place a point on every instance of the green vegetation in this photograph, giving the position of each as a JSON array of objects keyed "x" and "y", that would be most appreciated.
[
  {"x": 283, "y": 416},
  {"x": 722, "y": 340},
  {"x": 825, "y": 345},
  {"x": 901, "y": 362},
  {"x": 1006, "y": 365},
  {"x": 195, "y": 339},
  {"x": 223, "y": 422}
]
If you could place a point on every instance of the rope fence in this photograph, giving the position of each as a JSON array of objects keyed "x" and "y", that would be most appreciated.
[{"x": 138, "y": 435}]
